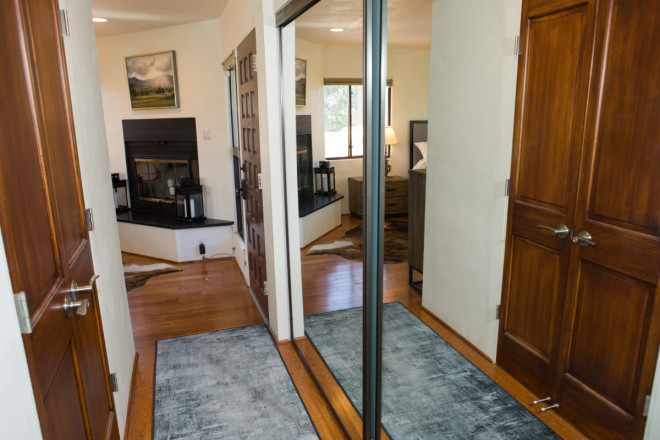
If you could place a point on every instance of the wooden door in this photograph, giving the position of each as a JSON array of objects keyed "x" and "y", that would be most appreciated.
[
  {"x": 553, "y": 76},
  {"x": 581, "y": 319},
  {"x": 41, "y": 214},
  {"x": 611, "y": 326},
  {"x": 251, "y": 154}
]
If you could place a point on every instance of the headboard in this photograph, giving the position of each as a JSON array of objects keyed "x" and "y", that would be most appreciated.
[{"x": 418, "y": 133}]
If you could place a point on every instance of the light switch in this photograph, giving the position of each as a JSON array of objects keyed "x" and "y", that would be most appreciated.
[{"x": 206, "y": 134}]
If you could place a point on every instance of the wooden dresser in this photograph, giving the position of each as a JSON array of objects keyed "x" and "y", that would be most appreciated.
[
  {"x": 416, "y": 224},
  {"x": 396, "y": 195}
]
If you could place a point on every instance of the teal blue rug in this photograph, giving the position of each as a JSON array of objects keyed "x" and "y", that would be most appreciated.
[
  {"x": 229, "y": 384},
  {"x": 430, "y": 391}
]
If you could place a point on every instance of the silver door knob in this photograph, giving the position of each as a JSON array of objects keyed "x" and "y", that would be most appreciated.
[
  {"x": 80, "y": 307},
  {"x": 89, "y": 288},
  {"x": 560, "y": 231},
  {"x": 583, "y": 238}
]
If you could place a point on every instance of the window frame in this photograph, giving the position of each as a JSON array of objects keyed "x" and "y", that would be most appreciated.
[{"x": 352, "y": 82}]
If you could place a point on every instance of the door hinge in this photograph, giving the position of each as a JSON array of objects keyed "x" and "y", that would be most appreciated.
[
  {"x": 259, "y": 181},
  {"x": 64, "y": 23},
  {"x": 89, "y": 219},
  {"x": 254, "y": 62},
  {"x": 23, "y": 313},
  {"x": 516, "y": 45},
  {"x": 497, "y": 311},
  {"x": 507, "y": 187},
  {"x": 265, "y": 288},
  {"x": 647, "y": 405},
  {"x": 113, "y": 382}
]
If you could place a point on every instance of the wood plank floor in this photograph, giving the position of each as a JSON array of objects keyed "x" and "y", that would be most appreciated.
[
  {"x": 334, "y": 283},
  {"x": 203, "y": 297},
  {"x": 212, "y": 295}
]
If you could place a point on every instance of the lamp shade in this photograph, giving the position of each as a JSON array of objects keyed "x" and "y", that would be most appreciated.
[{"x": 390, "y": 136}]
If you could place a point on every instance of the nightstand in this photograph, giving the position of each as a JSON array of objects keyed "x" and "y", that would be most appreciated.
[{"x": 396, "y": 195}]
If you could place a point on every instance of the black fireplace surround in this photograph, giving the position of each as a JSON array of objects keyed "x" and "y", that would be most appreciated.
[{"x": 159, "y": 153}]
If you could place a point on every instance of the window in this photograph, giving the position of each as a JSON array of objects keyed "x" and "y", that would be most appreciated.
[{"x": 344, "y": 127}]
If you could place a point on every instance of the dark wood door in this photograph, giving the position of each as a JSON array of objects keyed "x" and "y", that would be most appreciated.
[
  {"x": 581, "y": 319},
  {"x": 551, "y": 99},
  {"x": 251, "y": 154},
  {"x": 41, "y": 214},
  {"x": 611, "y": 326}
]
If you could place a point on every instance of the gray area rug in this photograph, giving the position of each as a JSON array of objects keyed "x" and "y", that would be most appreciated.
[
  {"x": 229, "y": 384},
  {"x": 430, "y": 391}
]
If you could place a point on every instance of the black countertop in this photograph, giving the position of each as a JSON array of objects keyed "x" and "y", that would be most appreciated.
[
  {"x": 166, "y": 221},
  {"x": 312, "y": 204}
]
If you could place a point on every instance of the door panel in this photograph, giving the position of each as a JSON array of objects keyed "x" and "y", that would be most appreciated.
[
  {"x": 65, "y": 420},
  {"x": 612, "y": 288},
  {"x": 551, "y": 93},
  {"x": 533, "y": 302},
  {"x": 547, "y": 153},
  {"x": 46, "y": 242},
  {"x": 611, "y": 311},
  {"x": 251, "y": 154}
]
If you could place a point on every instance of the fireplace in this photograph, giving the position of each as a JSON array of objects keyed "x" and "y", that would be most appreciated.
[
  {"x": 159, "y": 154},
  {"x": 304, "y": 157}
]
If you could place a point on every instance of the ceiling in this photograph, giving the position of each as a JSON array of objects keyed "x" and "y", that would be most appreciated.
[
  {"x": 125, "y": 16},
  {"x": 408, "y": 23}
]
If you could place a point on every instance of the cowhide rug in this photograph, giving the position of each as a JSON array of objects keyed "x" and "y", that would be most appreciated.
[
  {"x": 350, "y": 245},
  {"x": 136, "y": 275}
]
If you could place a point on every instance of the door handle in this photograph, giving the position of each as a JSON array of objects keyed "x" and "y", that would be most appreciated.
[
  {"x": 560, "y": 231},
  {"x": 584, "y": 239},
  {"x": 80, "y": 307},
  {"x": 89, "y": 288},
  {"x": 544, "y": 409}
]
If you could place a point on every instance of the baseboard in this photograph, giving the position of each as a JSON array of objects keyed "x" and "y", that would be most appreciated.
[
  {"x": 130, "y": 394},
  {"x": 458, "y": 335}
]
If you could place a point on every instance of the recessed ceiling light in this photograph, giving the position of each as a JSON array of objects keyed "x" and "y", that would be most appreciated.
[
  {"x": 336, "y": 29},
  {"x": 99, "y": 20}
]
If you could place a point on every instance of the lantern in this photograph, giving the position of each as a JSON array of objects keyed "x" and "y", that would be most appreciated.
[
  {"x": 189, "y": 201},
  {"x": 120, "y": 193},
  {"x": 325, "y": 179}
]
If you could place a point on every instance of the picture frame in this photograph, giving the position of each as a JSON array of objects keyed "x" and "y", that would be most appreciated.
[
  {"x": 152, "y": 82},
  {"x": 301, "y": 82}
]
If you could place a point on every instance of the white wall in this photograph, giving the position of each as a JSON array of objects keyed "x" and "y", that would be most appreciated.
[
  {"x": 236, "y": 22},
  {"x": 201, "y": 83},
  {"x": 85, "y": 87},
  {"x": 472, "y": 91},
  {"x": 18, "y": 411},
  {"x": 409, "y": 71}
]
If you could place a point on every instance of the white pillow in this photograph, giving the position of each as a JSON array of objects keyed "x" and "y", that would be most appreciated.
[
  {"x": 422, "y": 147},
  {"x": 420, "y": 165}
]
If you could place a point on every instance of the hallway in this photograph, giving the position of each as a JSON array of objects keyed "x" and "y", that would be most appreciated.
[{"x": 212, "y": 295}]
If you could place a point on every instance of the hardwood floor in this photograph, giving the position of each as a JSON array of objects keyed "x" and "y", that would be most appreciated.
[
  {"x": 213, "y": 295},
  {"x": 203, "y": 297},
  {"x": 333, "y": 283}
]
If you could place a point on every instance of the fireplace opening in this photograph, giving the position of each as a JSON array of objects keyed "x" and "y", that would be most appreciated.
[{"x": 159, "y": 154}]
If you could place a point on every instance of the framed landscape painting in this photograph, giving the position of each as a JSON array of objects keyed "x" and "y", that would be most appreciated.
[
  {"x": 152, "y": 80},
  {"x": 301, "y": 81}
]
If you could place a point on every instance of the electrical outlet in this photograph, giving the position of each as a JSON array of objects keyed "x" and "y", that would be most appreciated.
[{"x": 201, "y": 247}]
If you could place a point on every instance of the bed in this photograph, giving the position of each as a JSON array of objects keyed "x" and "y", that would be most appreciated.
[
  {"x": 418, "y": 133},
  {"x": 417, "y": 202}
]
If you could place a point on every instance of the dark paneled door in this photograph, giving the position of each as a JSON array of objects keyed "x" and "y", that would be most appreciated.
[
  {"x": 251, "y": 154},
  {"x": 41, "y": 213},
  {"x": 581, "y": 319}
]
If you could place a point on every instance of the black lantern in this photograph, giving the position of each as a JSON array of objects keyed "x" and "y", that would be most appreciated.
[
  {"x": 120, "y": 193},
  {"x": 325, "y": 179},
  {"x": 189, "y": 201}
]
